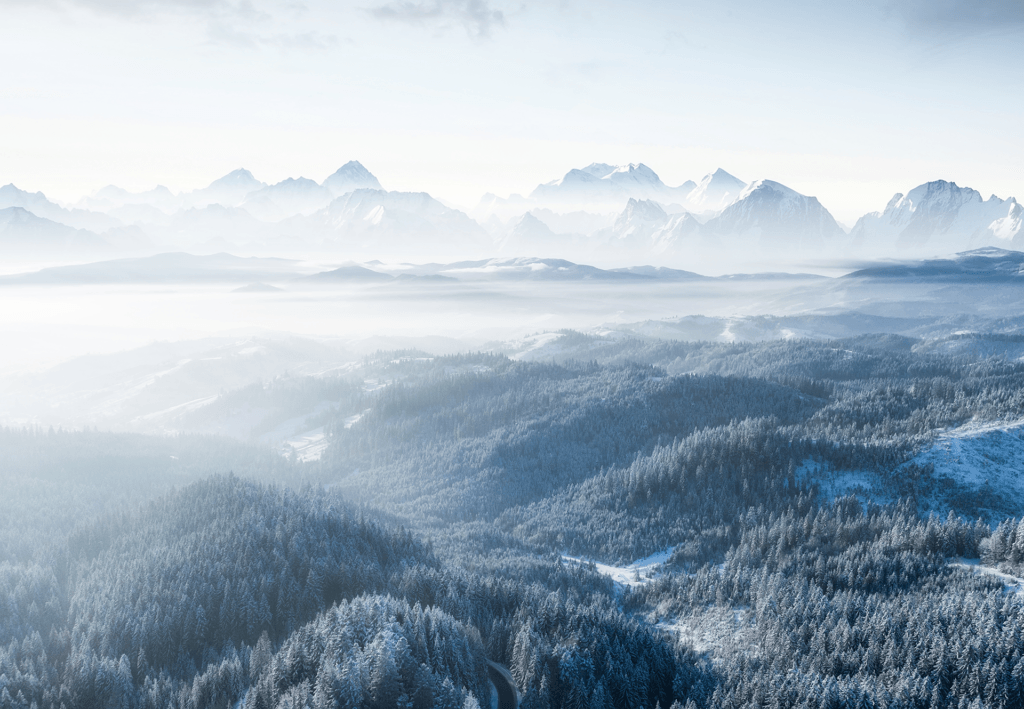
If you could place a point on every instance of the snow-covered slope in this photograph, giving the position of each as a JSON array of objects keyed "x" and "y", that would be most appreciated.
[
  {"x": 527, "y": 234},
  {"x": 24, "y": 234},
  {"x": 286, "y": 199},
  {"x": 681, "y": 233},
  {"x": 393, "y": 222},
  {"x": 40, "y": 206},
  {"x": 715, "y": 192},
  {"x": 350, "y": 177},
  {"x": 229, "y": 190},
  {"x": 600, "y": 186},
  {"x": 771, "y": 216},
  {"x": 939, "y": 217},
  {"x": 638, "y": 222}
]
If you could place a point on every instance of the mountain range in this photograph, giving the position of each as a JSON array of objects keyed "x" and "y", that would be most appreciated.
[{"x": 602, "y": 212}]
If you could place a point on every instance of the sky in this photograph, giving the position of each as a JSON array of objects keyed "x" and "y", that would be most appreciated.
[{"x": 847, "y": 101}]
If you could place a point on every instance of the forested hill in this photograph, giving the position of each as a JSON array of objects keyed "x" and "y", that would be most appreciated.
[
  {"x": 478, "y": 437},
  {"x": 808, "y": 554},
  {"x": 462, "y": 438},
  {"x": 230, "y": 590}
]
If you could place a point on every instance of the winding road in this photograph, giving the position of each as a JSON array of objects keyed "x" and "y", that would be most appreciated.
[{"x": 501, "y": 678}]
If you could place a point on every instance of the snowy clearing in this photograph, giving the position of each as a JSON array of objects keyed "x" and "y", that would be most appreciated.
[
  {"x": 1013, "y": 584},
  {"x": 635, "y": 574},
  {"x": 306, "y": 446}
]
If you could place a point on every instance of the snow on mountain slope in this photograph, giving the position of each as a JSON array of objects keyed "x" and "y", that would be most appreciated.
[
  {"x": 527, "y": 234},
  {"x": 939, "y": 217},
  {"x": 230, "y": 190},
  {"x": 770, "y": 216},
  {"x": 40, "y": 206},
  {"x": 22, "y": 233},
  {"x": 604, "y": 186},
  {"x": 350, "y": 177},
  {"x": 984, "y": 460},
  {"x": 286, "y": 199},
  {"x": 715, "y": 192},
  {"x": 395, "y": 222},
  {"x": 638, "y": 222},
  {"x": 976, "y": 469},
  {"x": 682, "y": 232}
]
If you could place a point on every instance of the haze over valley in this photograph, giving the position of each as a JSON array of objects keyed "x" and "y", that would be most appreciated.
[{"x": 469, "y": 354}]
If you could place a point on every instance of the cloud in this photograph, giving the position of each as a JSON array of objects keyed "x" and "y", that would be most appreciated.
[
  {"x": 238, "y": 23},
  {"x": 477, "y": 16},
  {"x": 140, "y": 8},
  {"x": 961, "y": 17}
]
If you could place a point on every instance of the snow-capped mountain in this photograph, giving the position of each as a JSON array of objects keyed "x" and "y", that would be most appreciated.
[
  {"x": 602, "y": 186},
  {"x": 230, "y": 190},
  {"x": 645, "y": 228},
  {"x": 771, "y": 215},
  {"x": 22, "y": 233},
  {"x": 286, "y": 199},
  {"x": 940, "y": 217},
  {"x": 527, "y": 234},
  {"x": 40, "y": 206},
  {"x": 295, "y": 196},
  {"x": 682, "y": 233},
  {"x": 638, "y": 222},
  {"x": 376, "y": 220},
  {"x": 350, "y": 177},
  {"x": 715, "y": 192}
]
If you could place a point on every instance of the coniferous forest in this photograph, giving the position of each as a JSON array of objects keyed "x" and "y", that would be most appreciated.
[{"x": 475, "y": 509}]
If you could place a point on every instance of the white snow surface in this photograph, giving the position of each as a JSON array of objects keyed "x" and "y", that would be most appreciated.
[
  {"x": 981, "y": 453},
  {"x": 1012, "y": 584},
  {"x": 635, "y": 574}
]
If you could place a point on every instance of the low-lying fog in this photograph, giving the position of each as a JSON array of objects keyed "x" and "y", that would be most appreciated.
[{"x": 142, "y": 344}]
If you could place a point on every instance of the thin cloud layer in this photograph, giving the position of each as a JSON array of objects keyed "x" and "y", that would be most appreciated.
[
  {"x": 140, "y": 8},
  {"x": 477, "y": 16}
]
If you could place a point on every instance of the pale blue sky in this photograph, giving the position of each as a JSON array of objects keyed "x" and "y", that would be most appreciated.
[{"x": 848, "y": 101}]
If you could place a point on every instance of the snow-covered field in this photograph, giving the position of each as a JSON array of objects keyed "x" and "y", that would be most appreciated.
[
  {"x": 1013, "y": 584},
  {"x": 635, "y": 574},
  {"x": 982, "y": 456},
  {"x": 981, "y": 459}
]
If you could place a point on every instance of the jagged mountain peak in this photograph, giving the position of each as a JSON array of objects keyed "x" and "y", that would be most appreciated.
[
  {"x": 350, "y": 177},
  {"x": 715, "y": 191},
  {"x": 598, "y": 169},
  {"x": 646, "y": 209},
  {"x": 940, "y": 193},
  {"x": 940, "y": 216},
  {"x": 241, "y": 176}
]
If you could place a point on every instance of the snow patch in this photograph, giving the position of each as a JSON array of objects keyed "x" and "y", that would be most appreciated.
[
  {"x": 1012, "y": 584},
  {"x": 636, "y": 574}
]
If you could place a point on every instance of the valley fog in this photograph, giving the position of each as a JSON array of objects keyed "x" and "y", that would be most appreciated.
[{"x": 494, "y": 354}]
